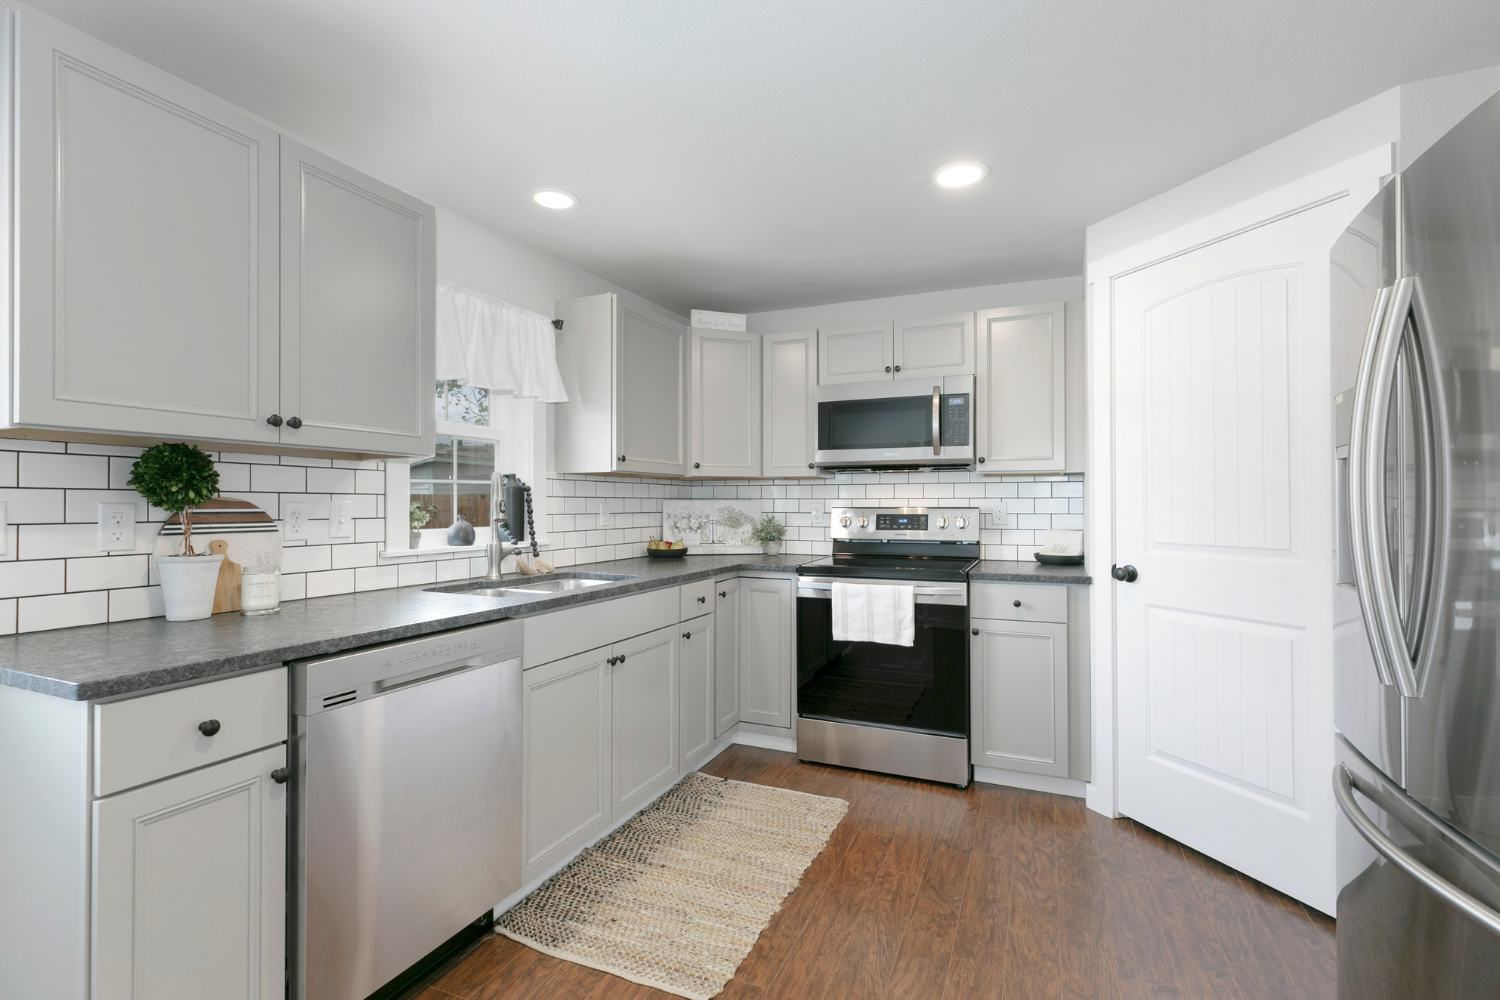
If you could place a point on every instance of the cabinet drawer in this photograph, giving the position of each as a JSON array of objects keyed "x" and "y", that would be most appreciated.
[
  {"x": 1019, "y": 602},
  {"x": 157, "y": 735},
  {"x": 697, "y": 599},
  {"x": 556, "y": 634}
]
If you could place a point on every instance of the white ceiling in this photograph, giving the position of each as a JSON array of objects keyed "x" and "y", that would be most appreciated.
[{"x": 746, "y": 156}]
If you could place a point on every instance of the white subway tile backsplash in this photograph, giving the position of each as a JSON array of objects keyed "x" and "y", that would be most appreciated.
[
  {"x": 369, "y": 482},
  {"x": 378, "y": 577},
  {"x": 8, "y": 617},
  {"x": 38, "y": 614},
  {"x": 233, "y": 476},
  {"x": 33, "y": 506},
  {"x": 330, "y": 480},
  {"x": 21, "y": 579},
  {"x": 306, "y": 559},
  {"x": 138, "y": 602},
  {"x": 8, "y": 478},
  {"x": 412, "y": 574},
  {"x": 106, "y": 572},
  {"x": 42, "y": 470},
  {"x": 337, "y": 581},
  {"x": 278, "y": 479},
  {"x": 57, "y": 541},
  {"x": 83, "y": 505}
]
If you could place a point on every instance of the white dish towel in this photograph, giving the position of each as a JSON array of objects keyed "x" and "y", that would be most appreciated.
[{"x": 874, "y": 613}]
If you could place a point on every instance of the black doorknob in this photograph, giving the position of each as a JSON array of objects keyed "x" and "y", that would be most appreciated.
[
  {"x": 1125, "y": 574},
  {"x": 209, "y": 728},
  {"x": 294, "y": 422},
  {"x": 280, "y": 775},
  {"x": 973, "y": 631},
  {"x": 274, "y": 420},
  {"x": 887, "y": 367},
  {"x": 1018, "y": 604}
]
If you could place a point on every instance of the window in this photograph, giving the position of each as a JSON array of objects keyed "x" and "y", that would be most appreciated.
[{"x": 456, "y": 479}]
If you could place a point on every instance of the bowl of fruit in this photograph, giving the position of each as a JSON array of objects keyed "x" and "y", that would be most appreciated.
[{"x": 659, "y": 549}]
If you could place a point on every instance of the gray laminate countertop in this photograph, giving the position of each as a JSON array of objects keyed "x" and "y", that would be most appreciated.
[
  {"x": 1030, "y": 571},
  {"x": 103, "y": 661}
]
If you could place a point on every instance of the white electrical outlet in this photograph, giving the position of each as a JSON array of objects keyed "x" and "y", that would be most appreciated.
[
  {"x": 606, "y": 514},
  {"x": 341, "y": 519},
  {"x": 294, "y": 522},
  {"x": 994, "y": 516},
  {"x": 816, "y": 507},
  {"x": 117, "y": 527}
]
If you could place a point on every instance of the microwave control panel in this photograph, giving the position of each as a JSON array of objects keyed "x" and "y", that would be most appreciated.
[{"x": 955, "y": 420}]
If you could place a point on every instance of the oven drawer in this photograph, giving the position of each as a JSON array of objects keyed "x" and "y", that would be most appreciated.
[{"x": 1019, "y": 602}]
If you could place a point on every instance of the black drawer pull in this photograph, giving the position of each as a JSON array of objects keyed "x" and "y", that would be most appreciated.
[{"x": 209, "y": 728}]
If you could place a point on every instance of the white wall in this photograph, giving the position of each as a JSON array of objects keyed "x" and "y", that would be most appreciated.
[
  {"x": 921, "y": 304},
  {"x": 1412, "y": 115}
]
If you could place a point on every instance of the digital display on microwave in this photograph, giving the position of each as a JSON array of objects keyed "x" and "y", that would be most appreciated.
[{"x": 900, "y": 522}]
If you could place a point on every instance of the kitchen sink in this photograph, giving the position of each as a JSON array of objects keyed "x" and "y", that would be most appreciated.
[{"x": 532, "y": 587}]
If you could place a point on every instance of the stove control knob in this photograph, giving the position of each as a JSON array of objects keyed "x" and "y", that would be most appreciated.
[
  {"x": 961, "y": 523},
  {"x": 864, "y": 522},
  {"x": 942, "y": 522},
  {"x": 844, "y": 521}
]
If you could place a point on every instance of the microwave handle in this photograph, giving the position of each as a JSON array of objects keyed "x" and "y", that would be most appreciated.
[{"x": 937, "y": 420}]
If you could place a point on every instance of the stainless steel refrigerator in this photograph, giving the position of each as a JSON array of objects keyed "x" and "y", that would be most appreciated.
[{"x": 1415, "y": 308}]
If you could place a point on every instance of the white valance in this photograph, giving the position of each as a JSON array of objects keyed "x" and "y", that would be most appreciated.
[{"x": 484, "y": 342}]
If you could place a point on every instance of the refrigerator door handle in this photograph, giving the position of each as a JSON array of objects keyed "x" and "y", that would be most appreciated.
[{"x": 1345, "y": 782}]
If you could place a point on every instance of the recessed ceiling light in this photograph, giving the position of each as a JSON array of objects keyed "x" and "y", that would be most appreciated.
[
  {"x": 553, "y": 198},
  {"x": 957, "y": 175}
]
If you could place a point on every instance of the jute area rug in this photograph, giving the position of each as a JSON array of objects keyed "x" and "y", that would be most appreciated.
[{"x": 676, "y": 898}]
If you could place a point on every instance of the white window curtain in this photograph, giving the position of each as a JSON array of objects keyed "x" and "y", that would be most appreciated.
[{"x": 484, "y": 342}]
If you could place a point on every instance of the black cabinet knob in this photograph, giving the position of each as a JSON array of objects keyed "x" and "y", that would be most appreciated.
[
  {"x": 294, "y": 422},
  {"x": 622, "y": 458},
  {"x": 687, "y": 635},
  {"x": 887, "y": 367},
  {"x": 1018, "y": 604},
  {"x": 898, "y": 368},
  {"x": 1125, "y": 574},
  {"x": 702, "y": 600},
  {"x": 274, "y": 420},
  {"x": 209, "y": 728},
  {"x": 723, "y": 593},
  {"x": 697, "y": 466},
  {"x": 809, "y": 465},
  {"x": 622, "y": 658},
  {"x": 280, "y": 775},
  {"x": 981, "y": 459},
  {"x": 973, "y": 631}
]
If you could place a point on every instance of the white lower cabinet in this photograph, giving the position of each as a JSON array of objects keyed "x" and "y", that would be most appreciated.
[
  {"x": 189, "y": 897},
  {"x": 726, "y": 656},
  {"x": 1019, "y": 695},
  {"x": 768, "y": 619},
  {"x": 566, "y": 709},
  {"x": 645, "y": 717},
  {"x": 695, "y": 692}
]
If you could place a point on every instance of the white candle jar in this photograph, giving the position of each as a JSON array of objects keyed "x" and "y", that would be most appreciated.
[{"x": 260, "y": 592}]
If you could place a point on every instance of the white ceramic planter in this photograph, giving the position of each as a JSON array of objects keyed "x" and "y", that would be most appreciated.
[
  {"x": 187, "y": 585},
  {"x": 773, "y": 548}
]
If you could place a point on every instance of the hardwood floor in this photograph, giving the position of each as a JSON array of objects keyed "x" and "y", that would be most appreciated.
[{"x": 930, "y": 892}]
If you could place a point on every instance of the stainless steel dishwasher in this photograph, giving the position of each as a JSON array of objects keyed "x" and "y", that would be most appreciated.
[{"x": 407, "y": 805}]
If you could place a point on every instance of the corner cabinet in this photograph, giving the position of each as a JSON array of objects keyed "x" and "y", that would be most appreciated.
[
  {"x": 1020, "y": 419},
  {"x": 724, "y": 387},
  {"x": 625, "y": 374},
  {"x": 358, "y": 288},
  {"x": 789, "y": 403},
  {"x": 695, "y": 718},
  {"x": 768, "y": 624},
  {"x": 154, "y": 234},
  {"x": 726, "y": 655}
]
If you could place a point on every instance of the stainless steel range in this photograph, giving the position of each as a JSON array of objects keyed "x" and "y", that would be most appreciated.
[{"x": 883, "y": 706}]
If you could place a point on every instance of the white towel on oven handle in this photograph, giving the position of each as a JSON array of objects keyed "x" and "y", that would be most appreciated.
[{"x": 880, "y": 612}]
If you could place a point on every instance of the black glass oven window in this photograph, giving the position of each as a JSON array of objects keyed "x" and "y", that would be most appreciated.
[
  {"x": 865, "y": 424},
  {"x": 900, "y": 522}
]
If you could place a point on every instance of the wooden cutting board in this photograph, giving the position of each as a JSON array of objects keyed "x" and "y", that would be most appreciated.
[{"x": 227, "y": 590}]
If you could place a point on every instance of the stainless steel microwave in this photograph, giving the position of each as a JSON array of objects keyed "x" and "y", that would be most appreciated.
[{"x": 908, "y": 423}]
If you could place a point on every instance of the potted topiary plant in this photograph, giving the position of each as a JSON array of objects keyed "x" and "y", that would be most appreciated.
[
  {"x": 769, "y": 532},
  {"x": 176, "y": 478},
  {"x": 418, "y": 514}
]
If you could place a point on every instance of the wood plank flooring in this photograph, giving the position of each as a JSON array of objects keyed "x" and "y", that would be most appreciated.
[{"x": 930, "y": 892}]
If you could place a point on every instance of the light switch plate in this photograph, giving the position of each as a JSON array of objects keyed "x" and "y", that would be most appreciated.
[
  {"x": 341, "y": 519},
  {"x": 294, "y": 520},
  {"x": 117, "y": 527},
  {"x": 606, "y": 514}
]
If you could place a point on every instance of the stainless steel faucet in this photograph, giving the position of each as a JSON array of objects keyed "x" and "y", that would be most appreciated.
[{"x": 498, "y": 548}]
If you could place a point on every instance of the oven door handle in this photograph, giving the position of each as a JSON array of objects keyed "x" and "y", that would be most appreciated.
[{"x": 824, "y": 589}]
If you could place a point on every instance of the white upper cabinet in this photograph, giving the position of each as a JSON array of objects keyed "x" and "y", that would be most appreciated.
[
  {"x": 358, "y": 285},
  {"x": 625, "y": 372},
  {"x": 145, "y": 233},
  {"x": 931, "y": 348},
  {"x": 724, "y": 387},
  {"x": 1020, "y": 420},
  {"x": 789, "y": 402},
  {"x": 863, "y": 352}
]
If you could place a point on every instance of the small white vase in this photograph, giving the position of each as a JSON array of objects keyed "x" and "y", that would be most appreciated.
[
  {"x": 773, "y": 548},
  {"x": 187, "y": 585}
]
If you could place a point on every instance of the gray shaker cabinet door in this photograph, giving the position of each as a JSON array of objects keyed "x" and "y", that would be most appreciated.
[
  {"x": 768, "y": 610},
  {"x": 645, "y": 717},
  {"x": 726, "y": 656},
  {"x": 1020, "y": 418},
  {"x": 1018, "y": 696},
  {"x": 724, "y": 384},
  {"x": 190, "y": 885},
  {"x": 935, "y": 346},
  {"x": 146, "y": 248},
  {"x": 789, "y": 403},
  {"x": 358, "y": 309},
  {"x": 651, "y": 360},
  {"x": 695, "y": 722},
  {"x": 863, "y": 352}
]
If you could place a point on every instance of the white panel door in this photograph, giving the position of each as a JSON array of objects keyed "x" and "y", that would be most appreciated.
[
  {"x": 724, "y": 384},
  {"x": 695, "y": 716},
  {"x": 1224, "y": 673},
  {"x": 146, "y": 248},
  {"x": 1018, "y": 696},
  {"x": 650, "y": 387},
  {"x": 789, "y": 403},
  {"x": 936, "y": 346},
  {"x": 566, "y": 706},
  {"x": 358, "y": 312},
  {"x": 864, "y": 352},
  {"x": 727, "y": 648},
  {"x": 767, "y": 621},
  {"x": 645, "y": 684},
  {"x": 190, "y": 886},
  {"x": 1020, "y": 418}
]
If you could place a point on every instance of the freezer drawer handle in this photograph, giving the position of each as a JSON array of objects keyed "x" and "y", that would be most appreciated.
[{"x": 1344, "y": 784}]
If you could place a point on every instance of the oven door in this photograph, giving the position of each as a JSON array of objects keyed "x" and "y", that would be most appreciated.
[
  {"x": 922, "y": 688},
  {"x": 920, "y": 422}
]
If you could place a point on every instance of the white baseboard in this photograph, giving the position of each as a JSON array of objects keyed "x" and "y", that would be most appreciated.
[
  {"x": 1033, "y": 782},
  {"x": 766, "y": 741}
]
